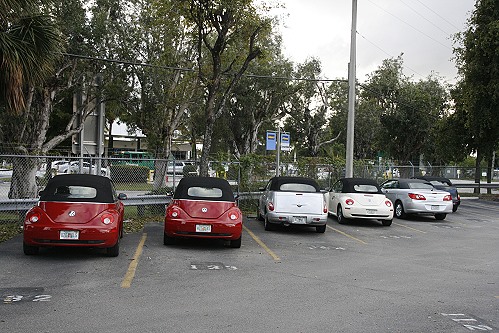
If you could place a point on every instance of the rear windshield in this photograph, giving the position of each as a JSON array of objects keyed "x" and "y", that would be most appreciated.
[
  {"x": 204, "y": 192},
  {"x": 365, "y": 188},
  {"x": 422, "y": 186},
  {"x": 75, "y": 192},
  {"x": 297, "y": 187}
]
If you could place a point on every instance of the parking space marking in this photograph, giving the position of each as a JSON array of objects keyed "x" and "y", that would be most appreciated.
[
  {"x": 262, "y": 244},
  {"x": 347, "y": 235},
  {"x": 401, "y": 225},
  {"x": 130, "y": 274}
]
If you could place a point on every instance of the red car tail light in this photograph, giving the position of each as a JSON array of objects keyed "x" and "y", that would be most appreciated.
[
  {"x": 349, "y": 202},
  {"x": 416, "y": 196},
  {"x": 324, "y": 210},
  {"x": 34, "y": 217},
  {"x": 388, "y": 203},
  {"x": 107, "y": 218},
  {"x": 233, "y": 215},
  {"x": 270, "y": 206},
  {"x": 448, "y": 197},
  {"x": 173, "y": 211}
]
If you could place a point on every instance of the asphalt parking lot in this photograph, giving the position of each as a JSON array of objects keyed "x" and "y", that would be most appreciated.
[{"x": 418, "y": 275}]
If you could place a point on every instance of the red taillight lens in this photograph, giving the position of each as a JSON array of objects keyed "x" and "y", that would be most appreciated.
[
  {"x": 234, "y": 215},
  {"x": 324, "y": 210},
  {"x": 448, "y": 197},
  {"x": 107, "y": 218},
  {"x": 34, "y": 217},
  {"x": 388, "y": 203},
  {"x": 173, "y": 212},
  {"x": 416, "y": 196},
  {"x": 349, "y": 202},
  {"x": 270, "y": 206}
]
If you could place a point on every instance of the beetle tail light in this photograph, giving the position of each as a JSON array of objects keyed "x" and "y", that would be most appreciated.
[
  {"x": 233, "y": 215},
  {"x": 349, "y": 201},
  {"x": 34, "y": 217},
  {"x": 270, "y": 206},
  {"x": 107, "y": 218},
  {"x": 448, "y": 197},
  {"x": 388, "y": 203},
  {"x": 172, "y": 211}
]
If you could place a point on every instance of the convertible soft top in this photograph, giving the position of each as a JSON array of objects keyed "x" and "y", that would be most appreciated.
[
  {"x": 79, "y": 188},
  {"x": 349, "y": 184},
  {"x": 276, "y": 182},
  {"x": 218, "y": 189}
]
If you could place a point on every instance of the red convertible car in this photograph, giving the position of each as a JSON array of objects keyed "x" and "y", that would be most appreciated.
[
  {"x": 76, "y": 210},
  {"x": 203, "y": 207}
]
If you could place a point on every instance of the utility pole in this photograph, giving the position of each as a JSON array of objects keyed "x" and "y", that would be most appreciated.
[{"x": 351, "y": 94}]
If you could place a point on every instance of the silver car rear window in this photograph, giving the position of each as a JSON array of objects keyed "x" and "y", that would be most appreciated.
[{"x": 421, "y": 186}]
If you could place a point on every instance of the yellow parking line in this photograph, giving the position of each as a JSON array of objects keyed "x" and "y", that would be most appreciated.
[
  {"x": 401, "y": 225},
  {"x": 347, "y": 235},
  {"x": 127, "y": 280},
  {"x": 262, "y": 244}
]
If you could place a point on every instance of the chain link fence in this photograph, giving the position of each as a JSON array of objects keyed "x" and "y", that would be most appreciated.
[{"x": 140, "y": 177}]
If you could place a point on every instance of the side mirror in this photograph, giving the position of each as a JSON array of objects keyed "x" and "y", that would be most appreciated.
[{"x": 122, "y": 196}]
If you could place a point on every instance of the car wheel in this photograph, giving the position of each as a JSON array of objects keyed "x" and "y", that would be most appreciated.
[
  {"x": 399, "y": 210},
  {"x": 167, "y": 240},
  {"x": 321, "y": 229},
  {"x": 268, "y": 226},
  {"x": 113, "y": 251},
  {"x": 454, "y": 208},
  {"x": 236, "y": 243},
  {"x": 30, "y": 250},
  {"x": 440, "y": 216},
  {"x": 386, "y": 223},
  {"x": 339, "y": 215}
]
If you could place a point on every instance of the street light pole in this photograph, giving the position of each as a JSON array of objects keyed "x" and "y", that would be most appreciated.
[{"x": 351, "y": 94}]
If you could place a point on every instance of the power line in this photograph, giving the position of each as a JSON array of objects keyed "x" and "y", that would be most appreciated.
[
  {"x": 185, "y": 69},
  {"x": 434, "y": 12},
  {"x": 426, "y": 19}
]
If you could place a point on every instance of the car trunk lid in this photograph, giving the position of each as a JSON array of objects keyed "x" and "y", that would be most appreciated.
[
  {"x": 204, "y": 209},
  {"x": 299, "y": 203},
  {"x": 72, "y": 212}
]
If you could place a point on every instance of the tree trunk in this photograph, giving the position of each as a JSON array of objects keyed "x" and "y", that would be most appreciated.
[
  {"x": 23, "y": 182},
  {"x": 478, "y": 170},
  {"x": 203, "y": 165},
  {"x": 490, "y": 171}
]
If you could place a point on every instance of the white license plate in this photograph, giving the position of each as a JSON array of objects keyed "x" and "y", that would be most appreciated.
[
  {"x": 371, "y": 211},
  {"x": 203, "y": 228},
  {"x": 300, "y": 219},
  {"x": 64, "y": 234},
  {"x": 435, "y": 207}
]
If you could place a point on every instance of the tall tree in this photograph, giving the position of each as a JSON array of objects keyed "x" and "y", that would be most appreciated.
[
  {"x": 222, "y": 26},
  {"x": 477, "y": 92}
]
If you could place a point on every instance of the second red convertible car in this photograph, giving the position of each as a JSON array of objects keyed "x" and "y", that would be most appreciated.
[
  {"x": 75, "y": 210},
  {"x": 203, "y": 207}
]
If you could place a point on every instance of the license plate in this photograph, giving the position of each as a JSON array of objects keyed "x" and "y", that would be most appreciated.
[
  {"x": 203, "y": 228},
  {"x": 74, "y": 235},
  {"x": 371, "y": 211},
  {"x": 435, "y": 207},
  {"x": 300, "y": 219}
]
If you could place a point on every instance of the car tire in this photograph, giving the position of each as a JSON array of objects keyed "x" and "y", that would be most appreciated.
[
  {"x": 267, "y": 225},
  {"x": 236, "y": 243},
  {"x": 399, "y": 210},
  {"x": 339, "y": 215},
  {"x": 386, "y": 223},
  {"x": 167, "y": 240},
  {"x": 320, "y": 229},
  {"x": 30, "y": 250},
  {"x": 454, "y": 208},
  {"x": 440, "y": 216},
  {"x": 113, "y": 251}
]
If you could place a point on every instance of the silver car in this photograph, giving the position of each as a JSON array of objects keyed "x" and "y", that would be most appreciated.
[{"x": 416, "y": 196}]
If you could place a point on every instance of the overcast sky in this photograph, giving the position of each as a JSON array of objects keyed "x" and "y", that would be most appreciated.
[{"x": 420, "y": 29}]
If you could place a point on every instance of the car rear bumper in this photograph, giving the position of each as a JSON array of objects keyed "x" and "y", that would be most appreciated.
[
  {"x": 414, "y": 207},
  {"x": 297, "y": 219},
  {"x": 368, "y": 213},
  {"x": 91, "y": 236},
  {"x": 223, "y": 230}
]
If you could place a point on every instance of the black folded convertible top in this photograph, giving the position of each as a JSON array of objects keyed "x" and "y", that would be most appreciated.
[
  {"x": 182, "y": 190},
  {"x": 350, "y": 183},
  {"x": 276, "y": 182},
  {"x": 103, "y": 186}
]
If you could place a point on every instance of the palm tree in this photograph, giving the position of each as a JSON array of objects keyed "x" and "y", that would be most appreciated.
[{"x": 29, "y": 43}]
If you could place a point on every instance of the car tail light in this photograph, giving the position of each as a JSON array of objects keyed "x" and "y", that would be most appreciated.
[
  {"x": 388, "y": 203},
  {"x": 458, "y": 197},
  {"x": 416, "y": 196},
  {"x": 107, "y": 218},
  {"x": 34, "y": 217},
  {"x": 173, "y": 211},
  {"x": 270, "y": 206},
  {"x": 349, "y": 202},
  {"x": 233, "y": 215},
  {"x": 324, "y": 210},
  {"x": 448, "y": 197}
]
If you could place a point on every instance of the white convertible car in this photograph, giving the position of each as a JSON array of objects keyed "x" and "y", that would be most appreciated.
[{"x": 359, "y": 198}]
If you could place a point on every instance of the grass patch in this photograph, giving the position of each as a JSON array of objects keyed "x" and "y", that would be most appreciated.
[{"x": 9, "y": 230}]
